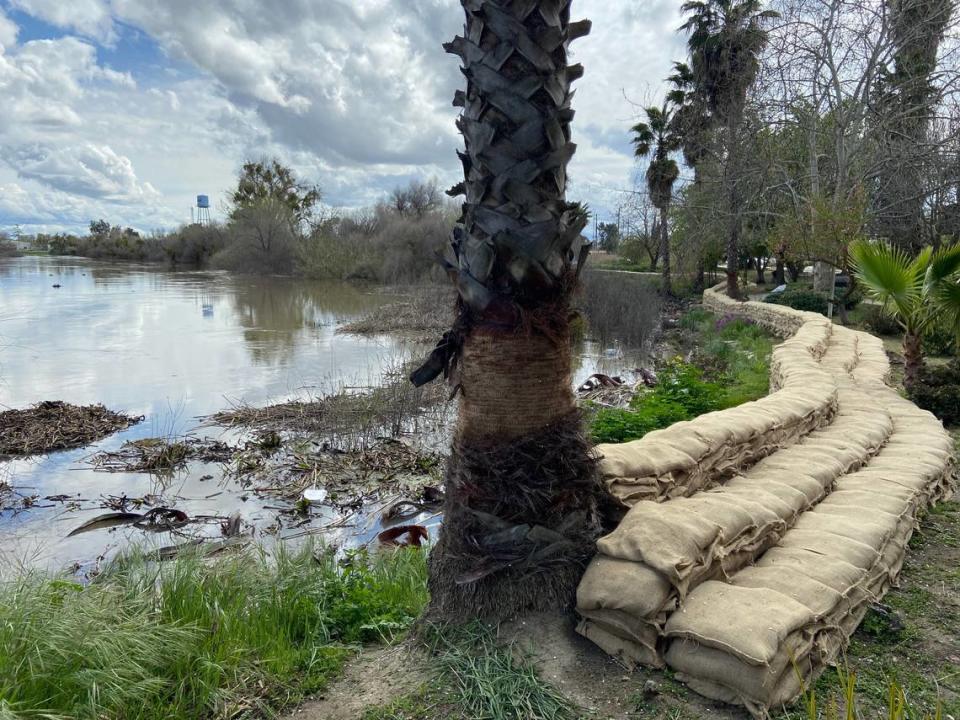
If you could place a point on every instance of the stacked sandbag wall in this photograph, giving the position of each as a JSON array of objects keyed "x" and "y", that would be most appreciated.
[{"x": 741, "y": 586}]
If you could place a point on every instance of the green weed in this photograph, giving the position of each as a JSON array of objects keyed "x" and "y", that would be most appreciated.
[
  {"x": 731, "y": 367},
  {"x": 239, "y": 638},
  {"x": 489, "y": 680}
]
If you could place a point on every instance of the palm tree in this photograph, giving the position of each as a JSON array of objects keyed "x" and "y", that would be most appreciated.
[
  {"x": 520, "y": 516},
  {"x": 725, "y": 40},
  {"x": 917, "y": 292},
  {"x": 695, "y": 127},
  {"x": 660, "y": 137},
  {"x": 691, "y": 117}
]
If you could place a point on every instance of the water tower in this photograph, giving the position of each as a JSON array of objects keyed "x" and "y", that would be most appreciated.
[{"x": 203, "y": 209}]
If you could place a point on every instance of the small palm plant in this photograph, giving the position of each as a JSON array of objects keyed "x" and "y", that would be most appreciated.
[
  {"x": 659, "y": 137},
  {"x": 918, "y": 292}
]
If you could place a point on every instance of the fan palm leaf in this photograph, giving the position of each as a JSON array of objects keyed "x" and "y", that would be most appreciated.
[{"x": 889, "y": 276}]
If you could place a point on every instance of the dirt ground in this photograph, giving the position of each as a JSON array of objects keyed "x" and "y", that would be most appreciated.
[{"x": 374, "y": 678}]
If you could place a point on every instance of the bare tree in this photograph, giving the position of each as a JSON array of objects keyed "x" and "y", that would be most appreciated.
[{"x": 417, "y": 199}]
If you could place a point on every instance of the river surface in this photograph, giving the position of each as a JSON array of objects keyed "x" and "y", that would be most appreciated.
[{"x": 173, "y": 347}]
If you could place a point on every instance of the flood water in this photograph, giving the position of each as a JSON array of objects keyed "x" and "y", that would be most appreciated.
[{"x": 171, "y": 346}]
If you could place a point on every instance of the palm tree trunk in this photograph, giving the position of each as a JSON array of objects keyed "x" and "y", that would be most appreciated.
[
  {"x": 520, "y": 517},
  {"x": 733, "y": 237},
  {"x": 665, "y": 251},
  {"x": 912, "y": 359}
]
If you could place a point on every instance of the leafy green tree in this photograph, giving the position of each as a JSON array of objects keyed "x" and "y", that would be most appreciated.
[
  {"x": 918, "y": 292},
  {"x": 725, "y": 40},
  {"x": 99, "y": 228},
  {"x": 520, "y": 516},
  {"x": 657, "y": 139},
  {"x": 270, "y": 180},
  {"x": 609, "y": 237}
]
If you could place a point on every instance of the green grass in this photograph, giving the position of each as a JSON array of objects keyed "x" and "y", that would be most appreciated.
[
  {"x": 731, "y": 366},
  {"x": 474, "y": 675},
  {"x": 241, "y": 637}
]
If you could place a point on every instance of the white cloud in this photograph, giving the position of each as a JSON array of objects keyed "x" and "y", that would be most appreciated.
[
  {"x": 87, "y": 17},
  {"x": 86, "y": 169},
  {"x": 8, "y": 32},
  {"x": 356, "y": 94}
]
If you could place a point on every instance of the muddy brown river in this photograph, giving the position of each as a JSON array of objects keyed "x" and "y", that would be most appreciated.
[{"x": 173, "y": 347}]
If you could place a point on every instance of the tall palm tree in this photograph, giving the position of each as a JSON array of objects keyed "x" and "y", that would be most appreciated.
[
  {"x": 725, "y": 40},
  {"x": 658, "y": 138},
  {"x": 695, "y": 127},
  {"x": 691, "y": 117},
  {"x": 918, "y": 292},
  {"x": 520, "y": 517}
]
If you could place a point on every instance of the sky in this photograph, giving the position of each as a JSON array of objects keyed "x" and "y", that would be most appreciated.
[{"x": 127, "y": 109}]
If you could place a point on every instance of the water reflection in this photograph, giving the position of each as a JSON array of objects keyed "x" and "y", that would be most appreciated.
[{"x": 170, "y": 346}]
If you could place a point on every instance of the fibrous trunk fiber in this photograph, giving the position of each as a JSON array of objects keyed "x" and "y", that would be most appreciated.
[{"x": 521, "y": 514}]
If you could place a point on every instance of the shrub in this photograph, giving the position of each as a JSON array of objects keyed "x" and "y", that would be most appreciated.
[
  {"x": 682, "y": 384},
  {"x": 681, "y": 393},
  {"x": 939, "y": 340},
  {"x": 626, "y": 307},
  {"x": 194, "y": 245},
  {"x": 732, "y": 367},
  {"x": 806, "y": 300},
  {"x": 616, "y": 425},
  {"x": 263, "y": 240},
  {"x": 8, "y": 249},
  {"x": 938, "y": 390},
  {"x": 693, "y": 319},
  {"x": 879, "y": 322},
  {"x": 853, "y": 300}
]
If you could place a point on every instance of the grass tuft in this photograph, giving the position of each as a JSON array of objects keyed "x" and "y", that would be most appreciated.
[
  {"x": 242, "y": 637},
  {"x": 492, "y": 681}
]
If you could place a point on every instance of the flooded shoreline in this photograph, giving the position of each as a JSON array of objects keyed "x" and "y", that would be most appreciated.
[{"x": 178, "y": 348}]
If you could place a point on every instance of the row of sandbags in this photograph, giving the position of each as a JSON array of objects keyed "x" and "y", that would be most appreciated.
[
  {"x": 754, "y": 639},
  {"x": 743, "y": 630},
  {"x": 691, "y": 455},
  {"x": 660, "y": 551}
]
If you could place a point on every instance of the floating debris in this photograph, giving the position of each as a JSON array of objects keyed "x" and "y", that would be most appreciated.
[
  {"x": 315, "y": 495},
  {"x": 55, "y": 425},
  {"x": 155, "y": 520},
  {"x": 107, "y": 520},
  {"x": 404, "y": 536},
  {"x": 159, "y": 455},
  {"x": 351, "y": 417}
]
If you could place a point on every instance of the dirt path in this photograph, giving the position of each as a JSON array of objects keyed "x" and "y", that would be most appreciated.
[{"x": 373, "y": 679}]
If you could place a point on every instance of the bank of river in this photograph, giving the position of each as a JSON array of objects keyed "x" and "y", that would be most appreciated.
[{"x": 175, "y": 347}]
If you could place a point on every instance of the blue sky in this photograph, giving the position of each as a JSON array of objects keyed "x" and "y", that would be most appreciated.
[{"x": 126, "y": 109}]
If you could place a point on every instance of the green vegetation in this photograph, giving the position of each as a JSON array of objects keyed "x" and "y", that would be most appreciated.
[
  {"x": 918, "y": 292},
  {"x": 276, "y": 225},
  {"x": 237, "y": 638},
  {"x": 477, "y": 676},
  {"x": 938, "y": 390},
  {"x": 489, "y": 680},
  {"x": 730, "y": 367},
  {"x": 800, "y": 299}
]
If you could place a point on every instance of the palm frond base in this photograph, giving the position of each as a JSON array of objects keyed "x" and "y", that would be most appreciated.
[{"x": 520, "y": 524}]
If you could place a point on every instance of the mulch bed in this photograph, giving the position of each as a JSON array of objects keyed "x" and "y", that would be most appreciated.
[{"x": 55, "y": 425}]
